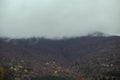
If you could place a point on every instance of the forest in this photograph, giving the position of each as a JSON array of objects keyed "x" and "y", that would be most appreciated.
[{"x": 80, "y": 58}]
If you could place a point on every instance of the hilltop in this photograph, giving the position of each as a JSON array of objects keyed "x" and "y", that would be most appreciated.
[{"x": 83, "y": 56}]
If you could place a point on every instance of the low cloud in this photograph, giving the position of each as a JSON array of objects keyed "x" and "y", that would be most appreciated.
[{"x": 58, "y": 18}]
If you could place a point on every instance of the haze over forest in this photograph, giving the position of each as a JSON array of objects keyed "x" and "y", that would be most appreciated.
[
  {"x": 58, "y": 18},
  {"x": 59, "y": 39}
]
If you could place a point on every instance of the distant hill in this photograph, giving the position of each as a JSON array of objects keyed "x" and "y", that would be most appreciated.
[{"x": 85, "y": 55}]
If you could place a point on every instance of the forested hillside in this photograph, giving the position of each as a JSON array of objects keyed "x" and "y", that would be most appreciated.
[{"x": 80, "y": 58}]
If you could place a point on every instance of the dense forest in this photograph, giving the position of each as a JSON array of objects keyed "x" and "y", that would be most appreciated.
[{"x": 92, "y": 57}]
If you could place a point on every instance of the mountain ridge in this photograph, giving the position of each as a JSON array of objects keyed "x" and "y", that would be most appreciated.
[{"x": 68, "y": 55}]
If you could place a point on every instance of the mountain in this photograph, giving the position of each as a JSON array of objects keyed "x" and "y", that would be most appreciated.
[{"x": 84, "y": 56}]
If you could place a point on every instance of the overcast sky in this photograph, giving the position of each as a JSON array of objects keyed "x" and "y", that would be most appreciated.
[{"x": 58, "y": 18}]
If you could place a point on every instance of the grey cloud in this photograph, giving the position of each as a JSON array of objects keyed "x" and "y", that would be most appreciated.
[{"x": 57, "y": 18}]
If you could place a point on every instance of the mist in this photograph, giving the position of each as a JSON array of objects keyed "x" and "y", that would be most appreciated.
[{"x": 58, "y": 18}]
